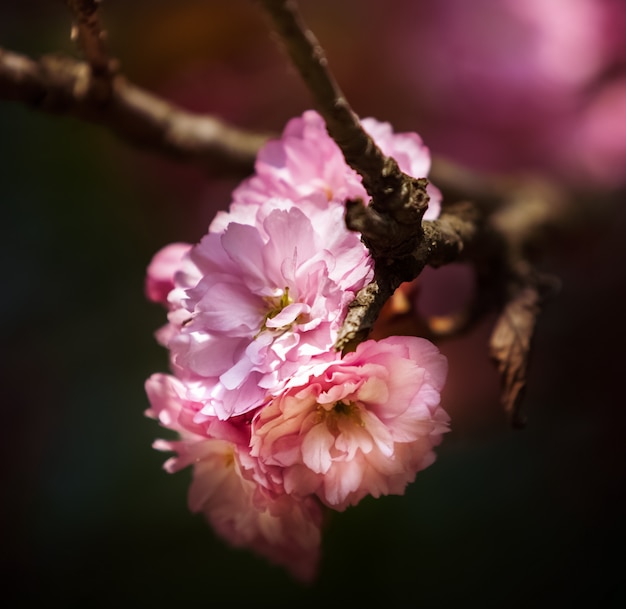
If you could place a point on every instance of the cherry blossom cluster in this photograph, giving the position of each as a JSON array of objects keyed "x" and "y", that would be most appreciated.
[{"x": 279, "y": 426}]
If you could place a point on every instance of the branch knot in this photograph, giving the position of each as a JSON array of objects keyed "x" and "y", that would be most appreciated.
[{"x": 391, "y": 227}]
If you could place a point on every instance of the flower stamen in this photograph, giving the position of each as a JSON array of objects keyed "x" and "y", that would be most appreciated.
[
  {"x": 340, "y": 410},
  {"x": 276, "y": 304}
]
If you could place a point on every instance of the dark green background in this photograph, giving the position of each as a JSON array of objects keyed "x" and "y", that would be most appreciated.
[{"x": 503, "y": 518}]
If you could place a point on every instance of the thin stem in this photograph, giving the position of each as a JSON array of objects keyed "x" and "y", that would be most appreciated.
[{"x": 90, "y": 36}]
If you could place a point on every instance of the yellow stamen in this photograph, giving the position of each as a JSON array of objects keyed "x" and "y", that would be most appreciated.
[
  {"x": 277, "y": 304},
  {"x": 340, "y": 409}
]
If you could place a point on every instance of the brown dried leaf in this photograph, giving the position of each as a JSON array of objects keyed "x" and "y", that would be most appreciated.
[{"x": 510, "y": 348}]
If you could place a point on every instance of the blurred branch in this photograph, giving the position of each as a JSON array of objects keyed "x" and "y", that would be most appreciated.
[{"x": 58, "y": 84}]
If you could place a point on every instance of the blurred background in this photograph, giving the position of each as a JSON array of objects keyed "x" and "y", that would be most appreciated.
[{"x": 504, "y": 517}]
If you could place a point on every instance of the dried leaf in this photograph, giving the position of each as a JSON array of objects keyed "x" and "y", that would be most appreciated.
[{"x": 510, "y": 348}]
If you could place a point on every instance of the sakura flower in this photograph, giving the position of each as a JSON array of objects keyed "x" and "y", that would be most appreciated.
[
  {"x": 276, "y": 425},
  {"x": 306, "y": 164},
  {"x": 169, "y": 404},
  {"x": 271, "y": 297},
  {"x": 284, "y": 529},
  {"x": 357, "y": 426},
  {"x": 161, "y": 270},
  {"x": 169, "y": 274}
]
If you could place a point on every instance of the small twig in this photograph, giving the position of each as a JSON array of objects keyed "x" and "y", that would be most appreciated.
[{"x": 88, "y": 33}]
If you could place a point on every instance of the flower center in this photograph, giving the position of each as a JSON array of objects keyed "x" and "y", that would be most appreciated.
[
  {"x": 229, "y": 457},
  {"x": 276, "y": 305},
  {"x": 341, "y": 410}
]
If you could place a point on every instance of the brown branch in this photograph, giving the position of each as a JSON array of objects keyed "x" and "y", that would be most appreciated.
[
  {"x": 400, "y": 198},
  {"x": 445, "y": 239},
  {"x": 391, "y": 225},
  {"x": 61, "y": 85}
]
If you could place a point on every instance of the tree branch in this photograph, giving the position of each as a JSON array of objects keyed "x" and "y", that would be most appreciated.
[
  {"x": 445, "y": 240},
  {"x": 391, "y": 224},
  {"x": 58, "y": 84},
  {"x": 398, "y": 200}
]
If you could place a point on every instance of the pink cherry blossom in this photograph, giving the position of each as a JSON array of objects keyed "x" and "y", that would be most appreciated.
[
  {"x": 271, "y": 297},
  {"x": 169, "y": 274},
  {"x": 357, "y": 426},
  {"x": 276, "y": 425},
  {"x": 285, "y": 529},
  {"x": 161, "y": 270},
  {"x": 170, "y": 405},
  {"x": 306, "y": 164}
]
